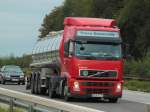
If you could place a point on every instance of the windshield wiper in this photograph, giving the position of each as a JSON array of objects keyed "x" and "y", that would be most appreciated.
[
  {"x": 90, "y": 57},
  {"x": 112, "y": 58}
]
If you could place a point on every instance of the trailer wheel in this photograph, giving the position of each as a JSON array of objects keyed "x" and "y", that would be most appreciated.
[
  {"x": 43, "y": 90},
  {"x": 39, "y": 84},
  {"x": 36, "y": 84},
  {"x": 32, "y": 84},
  {"x": 66, "y": 93},
  {"x": 51, "y": 92},
  {"x": 113, "y": 100}
]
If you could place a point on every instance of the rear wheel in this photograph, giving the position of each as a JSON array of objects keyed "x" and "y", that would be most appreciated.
[
  {"x": 113, "y": 100},
  {"x": 32, "y": 84},
  {"x": 36, "y": 84},
  {"x": 43, "y": 90},
  {"x": 51, "y": 92},
  {"x": 39, "y": 90}
]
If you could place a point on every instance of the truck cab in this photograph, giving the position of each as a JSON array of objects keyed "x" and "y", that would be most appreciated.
[{"x": 91, "y": 58}]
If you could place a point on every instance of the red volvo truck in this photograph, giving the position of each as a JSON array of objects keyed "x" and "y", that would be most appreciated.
[{"x": 82, "y": 61}]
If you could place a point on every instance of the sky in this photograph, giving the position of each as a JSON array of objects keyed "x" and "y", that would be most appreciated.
[{"x": 19, "y": 24}]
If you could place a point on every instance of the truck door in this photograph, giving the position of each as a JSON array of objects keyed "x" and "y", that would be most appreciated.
[{"x": 69, "y": 48}]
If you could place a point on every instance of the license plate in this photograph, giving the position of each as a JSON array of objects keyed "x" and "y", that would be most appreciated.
[
  {"x": 14, "y": 79},
  {"x": 97, "y": 95}
]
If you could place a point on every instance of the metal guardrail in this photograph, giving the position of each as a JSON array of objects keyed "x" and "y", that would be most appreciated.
[{"x": 38, "y": 104}]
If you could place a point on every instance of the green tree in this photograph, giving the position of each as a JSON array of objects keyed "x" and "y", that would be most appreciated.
[{"x": 133, "y": 21}]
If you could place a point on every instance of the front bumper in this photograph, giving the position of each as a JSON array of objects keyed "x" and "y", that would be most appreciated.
[
  {"x": 90, "y": 96},
  {"x": 96, "y": 89},
  {"x": 15, "y": 79}
]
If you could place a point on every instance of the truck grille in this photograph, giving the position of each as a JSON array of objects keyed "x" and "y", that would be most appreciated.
[
  {"x": 94, "y": 90},
  {"x": 98, "y": 84},
  {"x": 98, "y": 73}
]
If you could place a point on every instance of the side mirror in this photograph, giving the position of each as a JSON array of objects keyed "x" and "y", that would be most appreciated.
[
  {"x": 66, "y": 49},
  {"x": 71, "y": 48}
]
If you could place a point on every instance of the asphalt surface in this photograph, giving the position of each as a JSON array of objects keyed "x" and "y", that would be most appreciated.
[{"x": 131, "y": 101}]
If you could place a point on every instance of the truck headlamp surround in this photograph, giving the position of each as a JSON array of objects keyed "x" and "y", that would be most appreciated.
[
  {"x": 76, "y": 86},
  {"x": 118, "y": 87}
]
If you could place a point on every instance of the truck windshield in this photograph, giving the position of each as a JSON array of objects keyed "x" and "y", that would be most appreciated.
[{"x": 98, "y": 51}]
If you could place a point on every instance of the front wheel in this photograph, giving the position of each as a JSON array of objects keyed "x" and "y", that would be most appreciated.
[
  {"x": 23, "y": 83},
  {"x": 32, "y": 84},
  {"x": 66, "y": 93},
  {"x": 3, "y": 82}
]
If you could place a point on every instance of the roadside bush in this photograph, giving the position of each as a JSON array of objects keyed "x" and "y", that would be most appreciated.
[
  {"x": 138, "y": 68},
  {"x": 137, "y": 85}
]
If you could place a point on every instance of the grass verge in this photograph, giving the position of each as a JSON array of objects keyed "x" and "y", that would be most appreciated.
[
  {"x": 2, "y": 109},
  {"x": 137, "y": 85}
]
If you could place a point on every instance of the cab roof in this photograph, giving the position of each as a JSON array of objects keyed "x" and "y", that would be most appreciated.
[{"x": 81, "y": 21}]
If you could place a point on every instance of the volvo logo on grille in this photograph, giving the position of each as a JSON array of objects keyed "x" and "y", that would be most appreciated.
[{"x": 99, "y": 73}]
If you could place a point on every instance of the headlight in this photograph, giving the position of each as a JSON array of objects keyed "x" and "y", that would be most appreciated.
[
  {"x": 76, "y": 86},
  {"x": 7, "y": 76},
  {"x": 118, "y": 88},
  {"x": 21, "y": 76}
]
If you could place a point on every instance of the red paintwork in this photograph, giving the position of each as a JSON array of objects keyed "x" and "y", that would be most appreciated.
[
  {"x": 90, "y": 22},
  {"x": 70, "y": 65}
]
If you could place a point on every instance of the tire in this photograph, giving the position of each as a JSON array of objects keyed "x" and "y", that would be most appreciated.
[
  {"x": 43, "y": 90},
  {"x": 18, "y": 83},
  {"x": 32, "y": 84},
  {"x": 113, "y": 100},
  {"x": 66, "y": 93},
  {"x": 36, "y": 84},
  {"x": 39, "y": 90},
  {"x": 3, "y": 82},
  {"x": 28, "y": 82},
  {"x": 23, "y": 83},
  {"x": 51, "y": 92}
]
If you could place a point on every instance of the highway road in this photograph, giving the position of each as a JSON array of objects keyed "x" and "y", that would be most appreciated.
[{"x": 131, "y": 102}]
